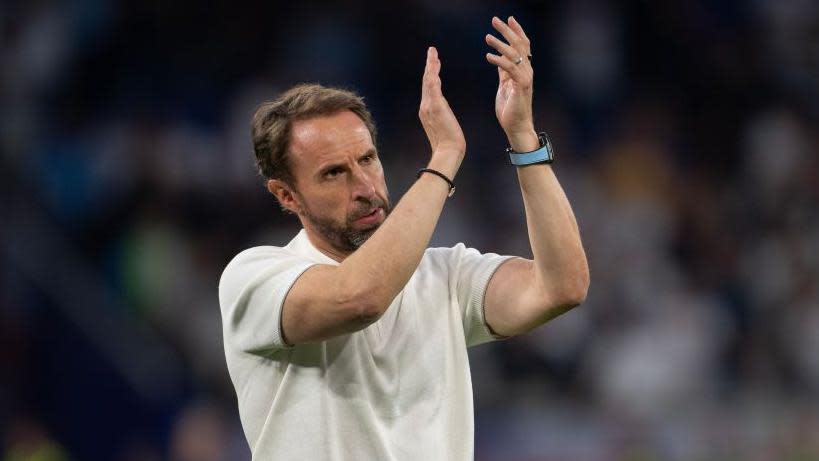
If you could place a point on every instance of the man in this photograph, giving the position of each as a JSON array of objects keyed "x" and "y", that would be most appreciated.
[{"x": 350, "y": 342}]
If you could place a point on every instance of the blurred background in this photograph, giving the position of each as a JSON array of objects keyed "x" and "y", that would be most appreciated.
[{"x": 687, "y": 141}]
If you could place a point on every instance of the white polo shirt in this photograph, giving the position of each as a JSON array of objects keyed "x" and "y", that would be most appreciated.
[{"x": 399, "y": 389}]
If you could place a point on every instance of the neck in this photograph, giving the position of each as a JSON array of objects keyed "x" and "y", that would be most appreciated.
[{"x": 325, "y": 247}]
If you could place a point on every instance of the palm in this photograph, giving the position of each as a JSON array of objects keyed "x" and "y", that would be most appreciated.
[
  {"x": 503, "y": 109},
  {"x": 512, "y": 105}
]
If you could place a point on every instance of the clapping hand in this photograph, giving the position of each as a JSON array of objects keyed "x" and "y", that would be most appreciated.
[
  {"x": 513, "y": 102},
  {"x": 442, "y": 128}
]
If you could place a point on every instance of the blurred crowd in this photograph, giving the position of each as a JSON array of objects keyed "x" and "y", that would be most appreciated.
[{"x": 686, "y": 136}]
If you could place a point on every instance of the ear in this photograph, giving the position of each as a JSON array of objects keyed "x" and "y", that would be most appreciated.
[{"x": 285, "y": 195}]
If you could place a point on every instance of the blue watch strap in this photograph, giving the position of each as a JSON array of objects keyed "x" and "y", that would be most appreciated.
[{"x": 544, "y": 154}]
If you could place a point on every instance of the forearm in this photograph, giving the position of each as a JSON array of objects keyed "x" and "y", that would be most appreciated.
[
  {"x": 375, "y": 273},
  {"x": 559, "y": 258}
]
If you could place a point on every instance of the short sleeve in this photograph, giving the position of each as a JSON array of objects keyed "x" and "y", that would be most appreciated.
[
  {"x": 472, "y": 271},
  {"x": 252, "y": 291}
]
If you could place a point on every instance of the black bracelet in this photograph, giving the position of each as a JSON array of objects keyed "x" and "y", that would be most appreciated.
[{"x": 440, "y": 175}]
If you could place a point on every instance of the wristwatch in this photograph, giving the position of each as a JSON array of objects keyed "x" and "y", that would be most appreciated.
[{"x": 544, "y": 154}]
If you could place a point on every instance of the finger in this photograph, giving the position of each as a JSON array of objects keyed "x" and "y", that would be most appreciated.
[
  {"x": 502, "y": 62},
  {"x": 515, "y": 25},
  {"x": 506, "y": 50},
  {"x": 436, "y": 63},
  {"x": 520, "y": 75},
  {"x": 425, "y": 80},
  {"x": 429, "y": 68},
  {"x": 510, "y": 35},
  {"x": 425, "y": 77},
  {"x": 433, "y": 65}
]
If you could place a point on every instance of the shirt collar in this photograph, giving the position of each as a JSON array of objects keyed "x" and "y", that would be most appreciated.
[{"x": 302, "y": 246}]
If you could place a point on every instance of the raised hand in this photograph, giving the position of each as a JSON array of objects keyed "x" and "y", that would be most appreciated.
[
  {"x": 442, "y": 128},
  {"x": 513, "y": 102}
]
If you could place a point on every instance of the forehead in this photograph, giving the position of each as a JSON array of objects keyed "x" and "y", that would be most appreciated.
[{"x": 321, "y": 139}]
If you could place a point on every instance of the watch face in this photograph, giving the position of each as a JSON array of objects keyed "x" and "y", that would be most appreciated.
[
  {"x": 549, "y": 148},
  {"x": 545, "y": 142}
]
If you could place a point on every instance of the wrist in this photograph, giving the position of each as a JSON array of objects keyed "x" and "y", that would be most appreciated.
[
  {"x": 524, "y": 141},
  {"x": 447, "y": 163},
  {"x": 431, "y": 171},
  {"x": 542, "y": 154}
]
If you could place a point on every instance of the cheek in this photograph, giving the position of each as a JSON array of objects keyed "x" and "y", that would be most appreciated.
[{"x": 329, "y": 201}]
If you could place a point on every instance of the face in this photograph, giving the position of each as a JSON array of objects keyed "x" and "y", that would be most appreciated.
[{"x": 339, "y": 193}]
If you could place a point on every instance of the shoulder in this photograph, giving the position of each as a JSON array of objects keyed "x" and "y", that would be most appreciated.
[
  {"x": 452, "y": 255},
  {"x": 461, "y": 260},
  {"x": 258, "y": 255},
  {"x": 442, "y": 256},
  {"x": 448, "y": 259},
  {"x": 446, "y": 252},
  {"x": 261, "y": 262}
]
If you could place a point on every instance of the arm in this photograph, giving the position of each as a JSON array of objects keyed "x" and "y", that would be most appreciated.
[
  {"x": 331, "y": 300},
  {"x": 524, "y": 294}
]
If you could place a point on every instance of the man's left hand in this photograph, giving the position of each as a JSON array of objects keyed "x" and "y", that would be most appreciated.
[{"x": 513, "y": 102}]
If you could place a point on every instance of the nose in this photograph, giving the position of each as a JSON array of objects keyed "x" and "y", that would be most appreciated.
[{"x": 363, "y": 186}]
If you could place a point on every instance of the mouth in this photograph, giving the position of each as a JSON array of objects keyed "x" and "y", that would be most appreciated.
[{"x": 375, "y": 216}]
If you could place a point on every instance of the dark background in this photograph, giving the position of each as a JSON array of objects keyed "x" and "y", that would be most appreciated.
[{"x": 686, "y": 138}]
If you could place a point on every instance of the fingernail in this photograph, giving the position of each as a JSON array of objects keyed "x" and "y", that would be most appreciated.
[{"x": 512, "y": 18}]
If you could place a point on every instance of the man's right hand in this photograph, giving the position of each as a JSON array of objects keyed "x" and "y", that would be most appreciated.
[{"x": 442, "y": 128}]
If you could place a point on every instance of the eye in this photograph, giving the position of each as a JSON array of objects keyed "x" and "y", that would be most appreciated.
[
  {"x": 367, "y": 159},
  {"x": 332, "y": 173}
]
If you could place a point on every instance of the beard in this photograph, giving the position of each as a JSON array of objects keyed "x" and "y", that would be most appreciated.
[{"x": 345, "y": 236}]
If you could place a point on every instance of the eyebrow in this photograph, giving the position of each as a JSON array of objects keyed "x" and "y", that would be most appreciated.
[{"x": 326, "y": 168}]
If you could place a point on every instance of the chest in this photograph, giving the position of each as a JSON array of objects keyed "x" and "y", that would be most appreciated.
[{"x": 403, "y": 361}]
